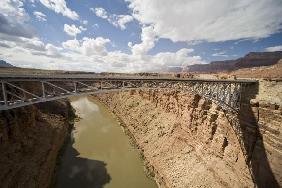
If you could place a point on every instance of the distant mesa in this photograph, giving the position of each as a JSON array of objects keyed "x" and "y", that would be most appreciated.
[
  {"x": 252, "y": 59},
  {"x": 4, "y": 64}
]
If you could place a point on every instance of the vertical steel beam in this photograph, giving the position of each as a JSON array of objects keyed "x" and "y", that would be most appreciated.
[
  {"x": 229, "y": 94},
  {"x": 4, "y": 93},
  {"x": 217, "y": 91},
  {"x": 202, "y": 87},
  {"x": 75, "y": 86},
  {"x": 240, "y": 95},
  {"x": 43, "y": 90}
]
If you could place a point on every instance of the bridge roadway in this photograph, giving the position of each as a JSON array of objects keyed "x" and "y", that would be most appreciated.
[{"x": 19, "y": 90}]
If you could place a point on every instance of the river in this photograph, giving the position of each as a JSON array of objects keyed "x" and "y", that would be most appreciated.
[{"x": 100, "y": 154}]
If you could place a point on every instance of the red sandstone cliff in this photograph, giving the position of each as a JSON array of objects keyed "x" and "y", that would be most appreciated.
[{"x": 252, "y": 59}]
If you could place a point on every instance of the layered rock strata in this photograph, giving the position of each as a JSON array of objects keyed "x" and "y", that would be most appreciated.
[{"x": 187, "y": 141}]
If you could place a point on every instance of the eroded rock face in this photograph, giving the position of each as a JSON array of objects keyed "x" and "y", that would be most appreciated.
[
  {"x": 266, "y": 148},
  {"x": 30, "y": 140},
  {"x": 189, "y": 142}
]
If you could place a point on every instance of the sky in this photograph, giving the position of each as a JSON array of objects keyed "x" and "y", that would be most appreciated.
[{"x": 135, "y": 35}]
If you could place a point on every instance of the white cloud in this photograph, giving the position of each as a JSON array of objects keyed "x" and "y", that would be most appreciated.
[
  {"x": 85, "y": 22},
  {"x": 116, "y": 20},
  {"x": 91, "y": 54},
  {"x": 40, "y": 16},
  {"x": 180, "y": 58},
  {"x": 88, "y": 46},
  {"x": 53, "y": 51},
  {"x": 13, "y": 8},
  {"x": 121, "y": 20},
  {"x": 213, "y": 20},
  {"x": 71, "y": 30},
  {"x": 274, "y": 48},
  {"x": 100, "y": 12},
  {"x": 220, "y": 54},
  {"x": 60, "y": 6},
  {"x": 148, "y": 38},
  {"x": 120, "y": 62},
  {"x": 33, "y": 44},
  {"x": 73, "y": 45},
  {"x": 91, "y": 46},
  {"x": 88, "y": 54},
  {"x": 82, "y": 28},
  {"x": 14, "y": 19}
]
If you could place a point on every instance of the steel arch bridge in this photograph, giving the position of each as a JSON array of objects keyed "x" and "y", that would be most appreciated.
[{"x": 21, "y": 90}]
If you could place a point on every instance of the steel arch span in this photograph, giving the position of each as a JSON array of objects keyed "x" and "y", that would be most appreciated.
[{"x": 21, "y": 90}]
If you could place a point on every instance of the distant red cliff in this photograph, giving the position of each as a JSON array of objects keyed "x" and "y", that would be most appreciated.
[{"x": 252, "y": 59}]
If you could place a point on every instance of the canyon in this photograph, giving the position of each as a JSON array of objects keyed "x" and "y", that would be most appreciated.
[{"x": 183, "y": 139}]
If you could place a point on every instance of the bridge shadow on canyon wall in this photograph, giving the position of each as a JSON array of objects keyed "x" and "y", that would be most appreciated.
[
  {"x": 252, "y": 140},
  {"x": 77, "y": 172}
]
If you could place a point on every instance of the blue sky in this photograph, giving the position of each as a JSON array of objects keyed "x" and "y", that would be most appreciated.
[
  {"x": 135, "y": 35},
  {"x": 55, "y": 23}
]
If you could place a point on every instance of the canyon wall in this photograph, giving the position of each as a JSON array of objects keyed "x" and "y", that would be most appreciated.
[
  {"x": 187, "y": 141},
  {"x": 30, "y": 140}
]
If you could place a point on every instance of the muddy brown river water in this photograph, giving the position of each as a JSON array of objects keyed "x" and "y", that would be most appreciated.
[{"x": 100, "y": 154}]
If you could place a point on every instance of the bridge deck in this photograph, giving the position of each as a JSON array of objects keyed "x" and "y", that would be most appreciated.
[{"x": 91, "y": 77}]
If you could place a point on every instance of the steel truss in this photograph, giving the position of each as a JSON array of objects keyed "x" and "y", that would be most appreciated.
[{"x": 18, "y": 92}]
